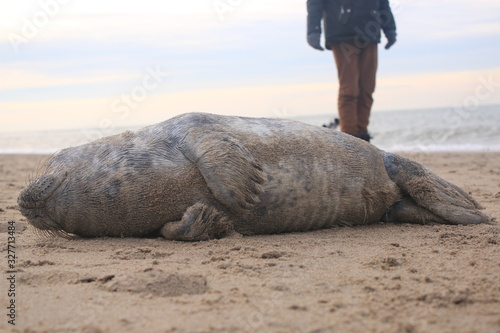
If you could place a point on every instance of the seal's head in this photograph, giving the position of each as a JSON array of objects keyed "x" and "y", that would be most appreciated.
[
  {"x": 46, "y": 200},
  {"x": 122, "y": 185},
  {"x": 53, "y": 201},
  {"x": 37, "y": 203}
]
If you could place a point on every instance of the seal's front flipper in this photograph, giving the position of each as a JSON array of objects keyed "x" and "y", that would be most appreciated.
[
  {"x": 230, "y": 170},
  {"x": 200, "y": 222},
  {"x": 430, "y": 191}
]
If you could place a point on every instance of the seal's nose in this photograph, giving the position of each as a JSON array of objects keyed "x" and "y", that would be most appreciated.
[{"x": 36, "y": 194}]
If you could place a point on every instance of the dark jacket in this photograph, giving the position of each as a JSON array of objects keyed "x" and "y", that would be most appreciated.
[{"x": 358, "y": 20}]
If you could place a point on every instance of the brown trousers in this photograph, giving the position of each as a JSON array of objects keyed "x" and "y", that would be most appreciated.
[{"x": 356, "y": 68}]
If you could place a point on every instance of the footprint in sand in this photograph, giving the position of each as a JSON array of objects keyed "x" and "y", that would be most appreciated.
[{"x": 156, "y": 282}]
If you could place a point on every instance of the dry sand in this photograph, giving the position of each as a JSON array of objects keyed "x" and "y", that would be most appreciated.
[{"x": 377, "y": 278}]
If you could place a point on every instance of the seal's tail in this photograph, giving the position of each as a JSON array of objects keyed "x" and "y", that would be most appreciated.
[{"x": 430, "y": 191}]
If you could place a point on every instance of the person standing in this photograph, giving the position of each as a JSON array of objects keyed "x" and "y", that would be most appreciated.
[{"x": 352, "y": 30}]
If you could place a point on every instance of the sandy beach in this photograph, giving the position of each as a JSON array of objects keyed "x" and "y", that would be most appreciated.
[{"x": 377, "y": 278}]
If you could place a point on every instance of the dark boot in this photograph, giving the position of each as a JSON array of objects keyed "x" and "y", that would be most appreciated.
[{"x": 364, "y": 136}]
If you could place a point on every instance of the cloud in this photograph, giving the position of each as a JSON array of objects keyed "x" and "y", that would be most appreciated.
[
  {"x": 97, "y": 28},
  {"x": 195, "y": 22},
  {"x": 263, "y": 101},
  {"x": 447, "y": 20},
  {"x": 446, "y": 89},
  {"x": 23, "y": 79},
  {"x": 467, "y": 30}
]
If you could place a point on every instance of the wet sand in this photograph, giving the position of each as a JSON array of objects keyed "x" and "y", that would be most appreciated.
[{"x": 376, "y": 278}]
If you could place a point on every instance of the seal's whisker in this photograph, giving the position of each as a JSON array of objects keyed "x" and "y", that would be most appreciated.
[
  {"x": 43, "y": 234},
  {"x": 64, "y": 234},
  {"x": 42, "y": 165},
  {"x": 39, "y": 234},
  {"x": 30, "y": 177},
  {"x": 39, "y": 170},
  {"x": 46, "y": 234}
]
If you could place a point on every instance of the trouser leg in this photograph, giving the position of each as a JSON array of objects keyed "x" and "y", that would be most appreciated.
[
  {"x": 346, "y": 56},
  {"x": 368, "y": 60},
  {"x": 356, "y": 69}
]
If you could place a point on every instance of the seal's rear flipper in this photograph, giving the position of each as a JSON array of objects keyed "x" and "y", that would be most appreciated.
[
  {"x": 229, "y": 169},
  {"x": 430, "y": 191},
  {"x": 200, "y": 222},
  {"x": 407, "y": 211}
]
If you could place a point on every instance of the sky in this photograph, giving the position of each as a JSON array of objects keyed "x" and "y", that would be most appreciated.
[{"x": 68, "y": 64}]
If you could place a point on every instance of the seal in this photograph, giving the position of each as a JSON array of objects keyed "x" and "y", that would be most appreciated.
[{"x": 200, "y": 176}]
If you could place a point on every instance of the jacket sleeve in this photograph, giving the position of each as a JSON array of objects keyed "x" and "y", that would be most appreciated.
[
  {"x": 387, "y": 19},
  {"x": 315, "y": 9}
]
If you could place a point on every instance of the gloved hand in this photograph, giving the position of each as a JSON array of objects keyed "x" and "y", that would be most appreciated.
[
  {"x": 391, "y": 39},
  {"x": 313, "y": 39}
]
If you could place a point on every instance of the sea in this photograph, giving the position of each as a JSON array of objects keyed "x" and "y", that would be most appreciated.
[{"x": 467, "y": 129}]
